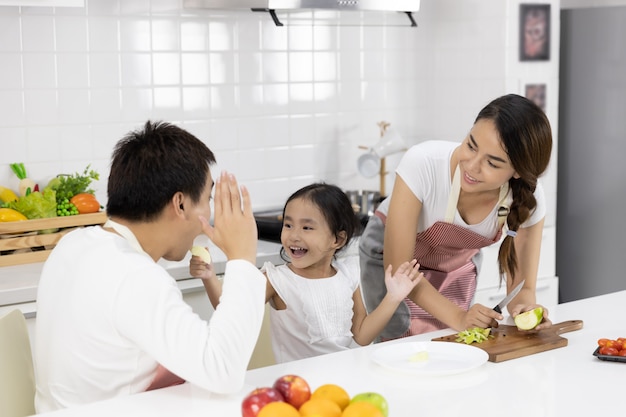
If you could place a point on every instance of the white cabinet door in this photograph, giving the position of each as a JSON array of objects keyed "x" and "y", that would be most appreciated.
[
  {"x": 547, "y": 293},
  {"x": 489, "y": 291},
  {"x": 195, "y": 295},
  {"x": 489, "y": 276}
]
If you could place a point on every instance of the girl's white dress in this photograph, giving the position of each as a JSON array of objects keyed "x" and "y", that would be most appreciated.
[{"x": 318, "y": 317}]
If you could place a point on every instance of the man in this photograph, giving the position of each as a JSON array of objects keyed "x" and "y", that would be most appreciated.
[{"x": 110, "y": 320}]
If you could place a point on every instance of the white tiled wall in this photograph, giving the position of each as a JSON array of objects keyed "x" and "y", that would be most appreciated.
[{"x": 281, "y": 107}]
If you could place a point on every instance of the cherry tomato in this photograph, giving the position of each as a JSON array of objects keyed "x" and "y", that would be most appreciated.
[
  {"x": 608, "y": 350},
  {"x": 603, "y": 342},
  {"x": 621, "y": 352},
  {"x": 618, "y": 344}
]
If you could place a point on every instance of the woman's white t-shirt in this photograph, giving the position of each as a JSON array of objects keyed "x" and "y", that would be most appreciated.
[{"x": 425, "y": 168}]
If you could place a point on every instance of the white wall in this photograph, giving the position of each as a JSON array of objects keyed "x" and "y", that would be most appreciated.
[{"x": 281, "y": 107}]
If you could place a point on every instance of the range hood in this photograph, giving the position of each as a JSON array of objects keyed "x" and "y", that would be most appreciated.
[{"x": 406, "y": 7}]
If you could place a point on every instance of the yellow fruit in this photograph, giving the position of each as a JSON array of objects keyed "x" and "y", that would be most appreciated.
[
  {"x": 202, "y": 253},
  {"x": 10, "y": 215},
  {"x": 322, "y": 407},
  {"x": 278, "y": 409},
  {"x": 334, "y": 393},
  {"x": 362, "y": 409},
  {"x": 7, "y": 195}
]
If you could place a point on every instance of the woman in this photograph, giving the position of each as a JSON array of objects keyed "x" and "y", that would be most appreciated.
[{"x": 449, "y": 200}]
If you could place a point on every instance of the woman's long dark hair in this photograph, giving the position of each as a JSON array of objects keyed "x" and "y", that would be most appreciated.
[{"x": 526, "y": 135}]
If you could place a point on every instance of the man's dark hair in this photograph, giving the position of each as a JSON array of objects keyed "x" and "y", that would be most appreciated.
[{"x": 150, "y": 165}]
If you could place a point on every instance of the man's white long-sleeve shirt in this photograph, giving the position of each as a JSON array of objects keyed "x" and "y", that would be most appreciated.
[{"x": 108, "y": 315}]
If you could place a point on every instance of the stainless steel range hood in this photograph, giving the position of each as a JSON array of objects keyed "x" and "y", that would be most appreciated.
[{"x": 406, "y": 7}]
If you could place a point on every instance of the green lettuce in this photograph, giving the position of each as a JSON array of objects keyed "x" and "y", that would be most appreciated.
[{"x": 37, "y": 205}]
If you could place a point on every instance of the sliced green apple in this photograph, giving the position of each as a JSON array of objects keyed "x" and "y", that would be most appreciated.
[{"x": 529, "y": 319}]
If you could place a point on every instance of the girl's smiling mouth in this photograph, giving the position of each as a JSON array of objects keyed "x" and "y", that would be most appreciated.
[{"x": 297, "y": 252}]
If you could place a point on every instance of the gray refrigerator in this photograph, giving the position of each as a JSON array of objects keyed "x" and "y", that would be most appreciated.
[{"x": 591, "y": 202}]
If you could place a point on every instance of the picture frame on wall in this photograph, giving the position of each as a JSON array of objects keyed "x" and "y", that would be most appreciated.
[
  {"x": 534, "y": 33},
  {"x": 537, "y": 94}
]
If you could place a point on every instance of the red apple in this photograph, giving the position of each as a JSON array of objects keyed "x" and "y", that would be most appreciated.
[
  {"x": 294, "y": 389},
  {"x": 256, "y": 399}
]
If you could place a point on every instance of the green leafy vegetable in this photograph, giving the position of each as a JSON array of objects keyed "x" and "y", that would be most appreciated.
[
  {"x": 37, "y": 205},
  {"x": 474, "y": 335},
  {"x": 67, "y": 186}
]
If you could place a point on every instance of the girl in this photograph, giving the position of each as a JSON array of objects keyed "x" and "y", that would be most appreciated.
[
  {"x": 315, "y": 299},
  {"x": 448, "y": 201}
]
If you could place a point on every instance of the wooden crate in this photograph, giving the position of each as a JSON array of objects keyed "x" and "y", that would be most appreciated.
[{"x": 21, "y": 243}]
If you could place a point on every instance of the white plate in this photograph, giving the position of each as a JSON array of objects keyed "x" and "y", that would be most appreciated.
[{"x": 443, "y": 358}]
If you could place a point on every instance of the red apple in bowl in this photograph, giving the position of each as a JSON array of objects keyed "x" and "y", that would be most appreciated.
[
  {"x": 294, "y": 389},
  {"x": 256, "y": 399}
]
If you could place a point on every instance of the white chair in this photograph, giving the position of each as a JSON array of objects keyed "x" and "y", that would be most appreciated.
[{"x": 17, "y": 376}]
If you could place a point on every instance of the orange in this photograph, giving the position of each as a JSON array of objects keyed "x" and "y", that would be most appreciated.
[
  {"x": 321, "y": 407},
  {"x": 334, "y": 393},
  {"x": 362, "y": 409},
  {"x": 278, "y": 409}
]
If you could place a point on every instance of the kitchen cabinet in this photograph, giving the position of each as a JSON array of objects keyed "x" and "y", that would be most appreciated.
[
  {"x": 489, "y": 291},
  {"x": 44, "y": 3}
]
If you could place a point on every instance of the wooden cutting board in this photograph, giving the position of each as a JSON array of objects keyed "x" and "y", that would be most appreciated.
[{"x": 510, "y": 343}]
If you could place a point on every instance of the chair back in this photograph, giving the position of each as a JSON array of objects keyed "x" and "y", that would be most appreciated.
[{"x": 17, "y": 376}]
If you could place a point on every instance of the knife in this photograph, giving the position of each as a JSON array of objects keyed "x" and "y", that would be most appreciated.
[{"x": 509, "y": 297}]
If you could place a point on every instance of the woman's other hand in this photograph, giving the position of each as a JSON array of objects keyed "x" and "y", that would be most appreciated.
[{"x": 520, "y": 308}]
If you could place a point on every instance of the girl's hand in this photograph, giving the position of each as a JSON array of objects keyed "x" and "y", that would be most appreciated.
[
  {"x": 520, "y": 308},
  {"x": 403, "y": 281},
  {"x": 200, "y": 269}
]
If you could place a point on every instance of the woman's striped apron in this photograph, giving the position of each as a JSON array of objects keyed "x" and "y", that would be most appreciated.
[{"x": 444, "y": 252}]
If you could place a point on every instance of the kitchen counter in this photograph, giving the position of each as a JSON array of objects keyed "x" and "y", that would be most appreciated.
[
  {"x": 560, "y": 382},
  {"x": 18, "y": 283}
]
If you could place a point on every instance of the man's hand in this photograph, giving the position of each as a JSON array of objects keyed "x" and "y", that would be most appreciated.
[{"x": 235, "y": 231}]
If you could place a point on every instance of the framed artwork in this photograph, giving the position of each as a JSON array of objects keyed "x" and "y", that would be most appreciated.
[
  {"x": 537, "y": 94},
  {"x": 534, "y": 33}
]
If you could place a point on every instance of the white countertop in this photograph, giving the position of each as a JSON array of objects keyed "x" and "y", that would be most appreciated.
[
  {"x": 18, "y": 283},
  {"x": 560, "y": 382}
]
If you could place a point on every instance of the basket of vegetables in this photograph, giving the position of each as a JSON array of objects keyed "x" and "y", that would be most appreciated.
[{"x": 34, "y": 219}]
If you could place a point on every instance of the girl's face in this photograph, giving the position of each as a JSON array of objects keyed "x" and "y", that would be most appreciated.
[
  {"x": 307, "y": 239},
  {"x": 483, "y": 162}
]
